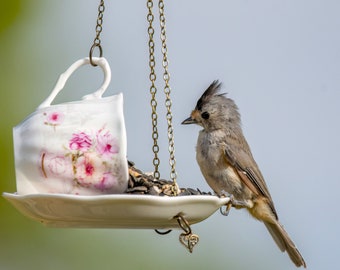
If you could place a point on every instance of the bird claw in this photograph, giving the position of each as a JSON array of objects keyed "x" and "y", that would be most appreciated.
[
  {"x": 232, "y": 203},
  {"x": 225, "y": 211}
]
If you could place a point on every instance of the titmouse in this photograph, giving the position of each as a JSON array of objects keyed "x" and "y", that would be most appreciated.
[{"x": 227, "y": 164}]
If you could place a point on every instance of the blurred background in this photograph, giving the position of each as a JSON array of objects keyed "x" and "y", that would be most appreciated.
[{"x": 280, "y": 62}]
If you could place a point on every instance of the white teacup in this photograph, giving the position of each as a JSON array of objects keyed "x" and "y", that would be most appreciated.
[{"x": 74, "y": 148}]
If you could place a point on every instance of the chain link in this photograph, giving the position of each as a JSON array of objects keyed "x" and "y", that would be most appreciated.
[
  {"x": 99, "y": 28},
  {"x": 168, "y": 102},
  {"x": 153, "y": 90}
]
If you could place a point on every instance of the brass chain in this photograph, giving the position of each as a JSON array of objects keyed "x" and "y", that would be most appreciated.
[
  {"x": 167, "y": 91},
  {"x": 99, "y": 28},
  {"x": 153, "y": 90},
  {"x": 168, "y": 102}
]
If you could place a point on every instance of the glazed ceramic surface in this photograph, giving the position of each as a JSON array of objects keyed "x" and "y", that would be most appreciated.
[{"x": 115, "y": 211}]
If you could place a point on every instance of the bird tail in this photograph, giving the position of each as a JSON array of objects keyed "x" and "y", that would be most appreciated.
[{"x": 284, "y": 242}]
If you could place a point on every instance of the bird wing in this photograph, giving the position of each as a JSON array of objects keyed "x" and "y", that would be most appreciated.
[{"x": 248, "y": 171}]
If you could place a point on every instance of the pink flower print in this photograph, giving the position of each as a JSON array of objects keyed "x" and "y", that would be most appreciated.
[
  {"x": 54, "y": 118},
  {"x": 107, "y": 182},
  {"x": 106, "y": 144},
  {"x": 80, "y": 141},
  {"x": 89, "y": 169}
]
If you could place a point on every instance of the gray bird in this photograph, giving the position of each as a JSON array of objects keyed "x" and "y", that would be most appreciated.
[{"x": 228, "y": 166}]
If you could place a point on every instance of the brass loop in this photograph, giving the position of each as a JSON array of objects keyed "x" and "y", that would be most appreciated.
[
  {"x": 154, "y": 103},
  {"x": 152, "y": 78},
  {"x": 168, "y": 102},
  {"x": 156, "y": 173},
  {"x": 173, "y": 174},
  {"x": 183, "y": 223},
  {"x": 101, "y": 9},
  {"x": 150, "y": 18},
  {"x": 149, "y": 4},
  {"x": 155, "y": 136},
  {"x": 156, "y": 163},
  {"x": 91, "y": 53}
]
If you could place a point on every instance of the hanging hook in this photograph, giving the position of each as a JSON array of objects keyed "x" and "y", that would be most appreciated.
[
  {"x": 183, "y": 223},
  {"x": 91, "y": 52}
]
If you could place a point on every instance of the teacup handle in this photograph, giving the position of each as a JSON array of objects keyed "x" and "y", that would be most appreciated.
[{"x": 64, "y": 77}]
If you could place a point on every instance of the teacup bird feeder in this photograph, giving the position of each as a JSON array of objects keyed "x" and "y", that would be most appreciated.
[{"x": 71, "y": 167}]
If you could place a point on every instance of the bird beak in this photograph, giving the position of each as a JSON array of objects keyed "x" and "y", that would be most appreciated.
[{"x": 189, "y": 121}]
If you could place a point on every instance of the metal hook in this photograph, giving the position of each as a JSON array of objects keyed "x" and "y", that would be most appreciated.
[
  {"x": 183, "y": 223},
  {"x": 91, "y": 53}
]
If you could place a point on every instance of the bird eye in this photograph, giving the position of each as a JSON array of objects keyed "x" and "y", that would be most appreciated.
[{"x": 205, "y": 115}]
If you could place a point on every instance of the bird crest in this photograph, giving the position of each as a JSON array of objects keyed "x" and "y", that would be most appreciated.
[{"x": 212, "y": 90}]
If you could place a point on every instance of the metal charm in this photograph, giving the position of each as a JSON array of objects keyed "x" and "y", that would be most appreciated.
[{"x": 187, "y": 238}]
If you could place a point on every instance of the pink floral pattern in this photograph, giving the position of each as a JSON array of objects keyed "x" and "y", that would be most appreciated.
[
  {"x": 80, "y": 141},
  {"x": 53, "y": 119},
  {"x": 88, "y": 161},
  {"x": 106, "y": 181},
  {"x": 106, "y": 144}
]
